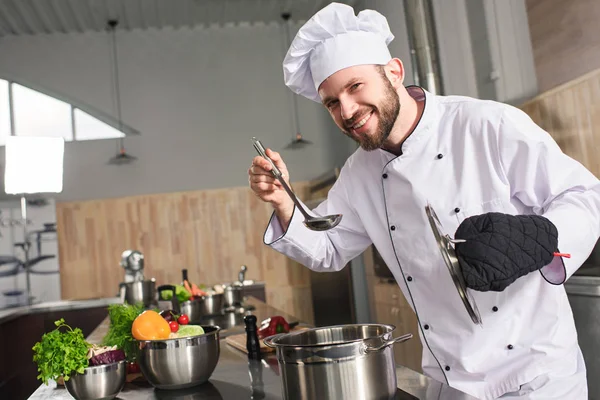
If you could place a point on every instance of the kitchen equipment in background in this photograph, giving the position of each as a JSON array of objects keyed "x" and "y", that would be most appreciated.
[
  {"x": 14, "y": 298},
  {"x": 201, "y": 307},
  {"x": 10, "y": 265},
  {"x": 33, "y": 165},
  {"x": 197, "y": 308},
  {"x": 232, "y": 296},
  {"x": 233, "y": 293},
  {"x": 338, "y": 362},
  {"x": 41, "y": 243},
  {"x": 139, "y": 292},
  {"x": 135, "y": 289},
  {"x": 242, "y": 274},
  {"x": 445, "y": 244},
  {"x": 132, "y": 261},
  {"x": 48, "y": 233},
  {"x": 314, "y": 223},
  {"x": 161, "y": 361}
]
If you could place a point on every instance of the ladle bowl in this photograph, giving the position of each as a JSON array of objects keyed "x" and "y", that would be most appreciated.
[{"x": 313, "y": 223}]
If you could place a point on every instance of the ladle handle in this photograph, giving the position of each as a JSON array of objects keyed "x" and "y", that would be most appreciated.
[
  {"x": 277, "y": 174},
  {"x": 261, "y": 150}
]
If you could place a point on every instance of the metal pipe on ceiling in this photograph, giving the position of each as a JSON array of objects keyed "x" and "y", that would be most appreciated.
[{"x": 422, "y": 39}]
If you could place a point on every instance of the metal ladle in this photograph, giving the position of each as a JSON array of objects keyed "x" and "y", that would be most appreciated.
[{"x": 313, "y": 223}]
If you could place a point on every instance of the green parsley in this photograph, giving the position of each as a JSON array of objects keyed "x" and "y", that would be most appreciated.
[
  {"x": 61, "y": 353},
  {"x": 119, "y": 332}
]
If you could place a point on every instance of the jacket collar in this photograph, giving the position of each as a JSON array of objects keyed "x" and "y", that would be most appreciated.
[{"x": 423, "y": 128}]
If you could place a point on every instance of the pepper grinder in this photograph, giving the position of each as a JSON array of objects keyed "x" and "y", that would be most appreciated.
[{"x": 252, "y": 343}]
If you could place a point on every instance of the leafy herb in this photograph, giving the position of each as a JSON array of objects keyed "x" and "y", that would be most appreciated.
[
  {"x": 119, "y": 333},
  {"x": 61, "y": 353}
]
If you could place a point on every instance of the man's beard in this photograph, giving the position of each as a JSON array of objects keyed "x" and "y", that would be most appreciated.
[{"x": 388, "y": 112}]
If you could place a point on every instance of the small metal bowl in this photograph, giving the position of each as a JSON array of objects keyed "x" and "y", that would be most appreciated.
[
  {"x": 181, "y": 362},
  {"x": 101, "y": 382}
]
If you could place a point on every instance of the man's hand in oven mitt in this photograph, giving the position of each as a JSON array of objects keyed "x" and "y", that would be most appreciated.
[{"x": 501, "y": 248}]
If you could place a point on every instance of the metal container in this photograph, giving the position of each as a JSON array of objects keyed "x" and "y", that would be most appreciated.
[
  {"x": 205, "y": 306},
  {"x": 139, "y": 292},
  {"x": 98, "y": 382},
  {"x": 180, "y": 363},
  {"x": 339, "y": 362},
  {"x": 233, "y": 295},
  {"x": 15, "y": 298}
]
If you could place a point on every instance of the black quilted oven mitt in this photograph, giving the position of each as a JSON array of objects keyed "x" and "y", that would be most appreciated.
[{"x": 500, "y": 248}]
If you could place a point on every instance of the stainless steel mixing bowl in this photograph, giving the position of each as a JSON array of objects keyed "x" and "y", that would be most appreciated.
[
  {"x": 180, "y": 363},
  {"x": 99, "y": 382}
]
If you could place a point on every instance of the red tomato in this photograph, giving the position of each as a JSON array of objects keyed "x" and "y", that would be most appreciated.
[
  {"x": 174, "y": 326},
  {"x": 183, "y": 319},
  {"x": 133, "y": 368}
]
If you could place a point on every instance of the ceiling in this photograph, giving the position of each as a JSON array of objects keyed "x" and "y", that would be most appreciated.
[{"x": 27, "y": 17}]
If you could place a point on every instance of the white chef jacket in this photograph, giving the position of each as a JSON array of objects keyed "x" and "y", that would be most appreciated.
[{"x": 465, "y": 157}]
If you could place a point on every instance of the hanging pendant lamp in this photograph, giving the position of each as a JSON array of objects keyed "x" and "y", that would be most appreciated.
[
  {"x": 297, "y": 140},
  {"x": 122, "y": 157}
]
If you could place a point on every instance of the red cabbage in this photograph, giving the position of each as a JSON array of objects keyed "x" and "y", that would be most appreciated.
[{"x": 108, "y": 357}]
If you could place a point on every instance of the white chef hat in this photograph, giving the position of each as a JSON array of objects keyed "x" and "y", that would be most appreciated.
[{"x": 334, "y": 39}]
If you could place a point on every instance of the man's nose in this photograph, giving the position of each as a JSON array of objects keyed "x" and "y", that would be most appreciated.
[{"x": 348, "y": 108}]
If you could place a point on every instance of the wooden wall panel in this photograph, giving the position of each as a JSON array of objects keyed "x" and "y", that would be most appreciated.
[
  {"x": 565, "y": 39},
  {"x": 212, "y": 233},
  {"x": 571, "y": 114}
]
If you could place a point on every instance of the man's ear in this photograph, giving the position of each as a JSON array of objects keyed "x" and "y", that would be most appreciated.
[{"x": 394, "y": 70}]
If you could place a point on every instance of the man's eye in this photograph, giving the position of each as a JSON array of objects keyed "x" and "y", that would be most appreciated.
[
  {"x": 355, "y": 86},
  {"x": 332, "y": 104}
]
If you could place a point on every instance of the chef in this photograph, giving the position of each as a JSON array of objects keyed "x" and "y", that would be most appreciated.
[{"x": 466, "y": 158}]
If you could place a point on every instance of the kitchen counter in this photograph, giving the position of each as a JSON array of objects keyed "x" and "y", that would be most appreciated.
[
  {"x": 235, "y": 377},
  {"x": 8, "y": 314},
  {"x": 256, "y": 289}
]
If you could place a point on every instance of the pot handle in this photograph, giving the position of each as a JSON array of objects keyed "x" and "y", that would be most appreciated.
[
  {"x": 399, "y": 339},
  {"x": 174, "y": 300},
  {"x": 268, "y": 341}
]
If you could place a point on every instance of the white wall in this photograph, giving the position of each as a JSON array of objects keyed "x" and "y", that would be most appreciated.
[{"x": 196, "y": 95}]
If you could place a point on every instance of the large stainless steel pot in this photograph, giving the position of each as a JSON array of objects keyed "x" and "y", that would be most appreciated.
[
  {"x": 139, "y": 292},
  {"x": 339, "y": 362}
]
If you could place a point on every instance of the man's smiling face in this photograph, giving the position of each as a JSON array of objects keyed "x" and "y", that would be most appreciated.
[{"x": 363, "y": 103}]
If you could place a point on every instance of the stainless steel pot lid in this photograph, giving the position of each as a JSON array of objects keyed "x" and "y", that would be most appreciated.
[{"x": 446, "y": 246}]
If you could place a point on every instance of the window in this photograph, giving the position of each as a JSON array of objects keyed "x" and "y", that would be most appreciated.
[
  {"x": 37, "y": 114},
  {"x": 31, "y": 112},
  {"x": 4, "y": 112},
  {"x": 89, "y": 128}
]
